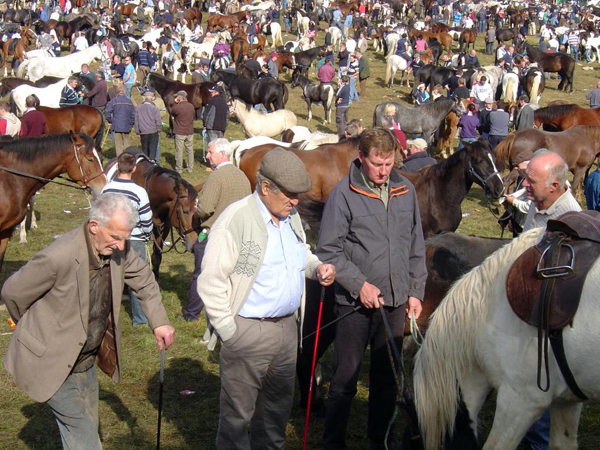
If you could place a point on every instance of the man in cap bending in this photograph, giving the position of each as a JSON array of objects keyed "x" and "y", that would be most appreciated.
[{"x": 252, "y": 284}]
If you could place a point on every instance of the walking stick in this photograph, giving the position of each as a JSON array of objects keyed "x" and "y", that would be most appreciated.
[
  {"x": 161, "y": 379},
  {"x": 314, "y": 363}
]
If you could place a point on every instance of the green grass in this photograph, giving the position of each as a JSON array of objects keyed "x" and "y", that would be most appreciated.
[{"x": 128, "y": 410}]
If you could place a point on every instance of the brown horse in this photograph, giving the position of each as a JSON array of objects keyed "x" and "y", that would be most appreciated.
[
  {"x": 79, "y": 118},
  {"x": 578, "y": 146},
  {"x": 440, "y": 188},
  {"x": 173, "y": 202},
  {"x": 226, "y": 22},
  {"x": 38, "y": 160},
  {"x": 440, "y": 27},
  {"x": 444, "y": 39},
  {"x": 559, "y": 63},
  {"x": 240, "y": 46},
  {"x": 563, "y": 117},
  {"x": 17, "y": 47},
  {"x": 192, "y": 16},
  {"x": 467, "y": 37},
  {"x": 447, "y": 131},
  {"x": 127, "y": 10}
]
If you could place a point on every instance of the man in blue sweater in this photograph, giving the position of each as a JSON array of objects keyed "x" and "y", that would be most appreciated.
[{"x": 342, "y": 101}]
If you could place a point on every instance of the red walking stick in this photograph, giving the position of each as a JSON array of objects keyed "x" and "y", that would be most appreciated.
[{"x": 312, "y": 372}]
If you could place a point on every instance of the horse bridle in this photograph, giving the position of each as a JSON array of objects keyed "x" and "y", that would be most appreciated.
[
  {"x": 83, "y": 178},
  {"x": 478, "y": 178}
]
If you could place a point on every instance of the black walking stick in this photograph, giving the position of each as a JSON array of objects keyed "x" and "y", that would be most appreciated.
[{"x": 161, "y": 379}]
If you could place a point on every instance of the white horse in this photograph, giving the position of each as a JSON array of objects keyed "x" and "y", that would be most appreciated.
[
  {"x": 311, "y": 140},
  {"x": 256, "y": 123},
  {"x": 152, "y": 36},
  {"x": 39, "y": 53},
  {"x": 510, "y": 87},
  {"x": 395, "y": 63},
  {"x": 49, "y": 96},
  {"x": 238, "y": 147},
  {"x": 336, "y": 38},
  {"x": 276, "y": 34},
  {"x": 493, "y": 75},
  {"x": 594, "y": 43},
  {"x": 59, "y": 67},
  {"x": 534, "y": 95},
  {"x": 195, "y": 50},
  {"x": 302, "y": 23},
  {"x": 391, "y": 41},
  {"x": 475, "y": 344},
  {"x": 257, "y": 6}
]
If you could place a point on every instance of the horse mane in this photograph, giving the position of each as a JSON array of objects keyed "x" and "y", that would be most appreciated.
[
  {"x": 449, "y": 350},
  {"x": 550, "y": 113},
  {"x": 157, "y": 170},
  {"x": 31, "y": 149},
  {"x": 444, "y": 167},
  {"x": 438, "y": 106}
]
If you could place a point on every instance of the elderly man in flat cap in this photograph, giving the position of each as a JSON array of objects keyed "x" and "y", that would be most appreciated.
[
  {"x": 252, "y": 284},
  {"x": 183, "y": 113}
]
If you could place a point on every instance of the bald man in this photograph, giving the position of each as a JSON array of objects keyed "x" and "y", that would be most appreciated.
[{"x": 546, "y": 186}]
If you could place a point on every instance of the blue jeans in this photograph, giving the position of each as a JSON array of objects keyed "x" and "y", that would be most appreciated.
[
  {"x": 287, "y": 24},
  {"x": 353, "y": 91},
  {"x": 482, "y": 26},
  {"x": 460, "y": 142},
  {"x": 128, "y": 88},
  {"x": 137, "y": 315},
  {"x": 158, "y": 150},
  {"x": 75, "y": 407},
  {"x": 538, "y": 435},
  {"x": 575, "y": 52}
]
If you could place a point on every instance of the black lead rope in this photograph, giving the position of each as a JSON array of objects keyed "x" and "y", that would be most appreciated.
[
  {"x": 333, "y": 322},
  {"x": 161, "y": 380},
  {"x": 42, "y": 179}
]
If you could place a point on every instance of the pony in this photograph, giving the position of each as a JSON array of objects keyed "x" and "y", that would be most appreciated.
[
  {"x": 424, "y": 119},
  {"x": 275, "y": 31},
  {"x": 391, "y": 42},
  {"x": 9, "y": 83},
  {"x": 510, "y": 86},
  {"x": 268, "y": 91},
  {"x": 563, "y": 117},
  {"x": 467, "y": 37},
  {"x": 506, "y": 34},
  {"x": 475, "y": 344},
  {"x": 315, "y": 93},
  {"x": 255, "y": 123},
  {"x": 578, "y": 146},
  {"x": 38, "y": 160},
  {"x": 64, "y": 65},
  {"x": 17, "y": 48},
  {"x": 533, "y": 84},
  {"x": 226, "y": 22},
  {"x": 559, "y": 63},
  {"x": 395, "y": 63},
  {"x": 336, "y": 38},
  {"x": 305, "y": 58}
]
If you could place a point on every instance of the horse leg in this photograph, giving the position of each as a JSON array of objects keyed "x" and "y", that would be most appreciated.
[
  {"x": 159, "y": 239},
  {"x": 578, "y": 184},
  {"x": 4, "y": 238},
  {"x": 22, "y": 231},
  {"x": 309, "y": 107},
  {"x": 33, "y": 225},
  {"x": 564, "y": 421},
  {"x": 511, "y": 422}
]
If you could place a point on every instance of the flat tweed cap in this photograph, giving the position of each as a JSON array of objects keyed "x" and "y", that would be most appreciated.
[{"x": 286, "y": 170}]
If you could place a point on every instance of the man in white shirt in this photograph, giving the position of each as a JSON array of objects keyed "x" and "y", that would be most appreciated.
[
  {"x": 546, "y": 186},
  {"x": 80, "y": 43}
]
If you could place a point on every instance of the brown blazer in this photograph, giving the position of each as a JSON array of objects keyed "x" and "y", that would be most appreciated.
[{"x": 49, "y": 300}]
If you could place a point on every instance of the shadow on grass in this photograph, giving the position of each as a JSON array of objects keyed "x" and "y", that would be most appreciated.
[
  {"x": 41, "y": 431},
  {"x": 124, "y": 415},
  {"x": 195, "y": 415}
]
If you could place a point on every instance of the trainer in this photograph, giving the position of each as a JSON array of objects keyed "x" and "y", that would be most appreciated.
[
  {"x": 66, "y": 302},
  {"x": 371, "y": 232},
  {"x": 252, "y": 284}
]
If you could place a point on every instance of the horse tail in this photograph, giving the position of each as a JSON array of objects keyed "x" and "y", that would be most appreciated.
[
  {"x": 388, "y": 70},
  {"x": 330, "y": 95},
  {"x": 535, "y": 87},
  {"x": 22, "y": 70},
  {"x": 449, "y": 351},
  {"x": 502, "y": 151},
  {"x": 286, "y": 94},
  {"x": 13, "y": 104}
]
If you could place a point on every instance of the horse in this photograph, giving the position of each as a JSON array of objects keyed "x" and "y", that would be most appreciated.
[
  {"x": 336, "y": 38},
  {"x": 62, "y": 66},
  {"x": 192, "y": 16},
  {"x": 285, "y": 59},
  {"x": 48, "y": 96},
  {"x": 22, "y": 16},
  {"x": 173, "y": 201},
  {"x": 563, "y": 117},
  {"x": 132, "y": 48},
  {"x": 255, "y": 123},
  {"x": 79, "y": 118},
  {"x": 475, "y": 344},
  {"x": 268, "y": 91},
  {"x": 240, "y": 47},
  {"x": 305, "y": 58},
  {"x": 423, "y": 119},
  {"x": 443, "y": 38},
  {"x": 17, "y": 48},
  {"x": 227, "y": 22},
  {"x": 9, "y": 83},
  {"x": 467, "y": 37},
  {"x": 448, "y": 257},
  {"x": 533, "y": 84},
  {"x": 553, "y": 62},
  {"x": 126, "y": 9},
  {"x": 578, "y": 146},
  {"x": 38, "y": 160},
  {"x": 175, "y": 65},
  {"x": 395, "y": 63},
  {"x": 510, "y": 87},
  {"x": 506, "y": 34},
  {"x": 197, "y": 94},
  {"x": 315, "y": 93},
  {"x": 391, "y": 43},
  {"x": 448, "y": 130},
  {"x": 273, "y": 30}
]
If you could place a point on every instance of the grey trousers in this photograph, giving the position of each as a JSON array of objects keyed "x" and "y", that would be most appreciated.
[
  {"x": 137, "y": 315},
  {"x": 182, "y": 141},
  {"x": 75, "y": 407},
  {"x": 257, "y": 370},
  {"x": 121, "y": 142}
]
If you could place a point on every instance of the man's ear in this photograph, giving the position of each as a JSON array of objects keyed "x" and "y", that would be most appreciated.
[{"x": 93, "y": 227}]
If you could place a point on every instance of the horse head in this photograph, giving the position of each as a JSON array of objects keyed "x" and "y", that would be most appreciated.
[
  {"x": 185, "y": 208},
  {"x": 482, "y": 168},
  {"x": 458, "y": 107},
  {"x": 295, "y": 76},
  {"x": 85, "y": 166}
]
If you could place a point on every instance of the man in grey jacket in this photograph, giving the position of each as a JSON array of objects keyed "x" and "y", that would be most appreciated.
[
  {"x": 148, "y": 125},
  {"x": 371, "y": 232},
  {"x": 525, "y": 116}
]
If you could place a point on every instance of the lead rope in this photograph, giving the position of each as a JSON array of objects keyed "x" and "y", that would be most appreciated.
[{"x": 415, "y": 332}]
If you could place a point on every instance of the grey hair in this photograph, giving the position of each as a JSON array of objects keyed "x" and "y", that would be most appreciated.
[
  {"x": 106, "y": 206},
  {"x": 222, "y": 145},
  {"x": 259, "y": 181},
  {"x": 559, "y": 173}
]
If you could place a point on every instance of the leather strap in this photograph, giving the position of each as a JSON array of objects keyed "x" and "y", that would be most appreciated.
[{"x": 558, "y": 348}]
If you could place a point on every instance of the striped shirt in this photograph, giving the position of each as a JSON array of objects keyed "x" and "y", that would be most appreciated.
[
  {"x": 68, "y": 97},
  {"x": 139, "y": 198},
  {"x": 563, "y": 204}
]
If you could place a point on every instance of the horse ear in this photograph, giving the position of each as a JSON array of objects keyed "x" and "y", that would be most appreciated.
[{"x": 73, "y": 136}]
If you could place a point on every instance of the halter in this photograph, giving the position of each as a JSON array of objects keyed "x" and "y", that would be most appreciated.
[
  {"x": 480, "y": 179},
  {"x": 83, "y": 178}
]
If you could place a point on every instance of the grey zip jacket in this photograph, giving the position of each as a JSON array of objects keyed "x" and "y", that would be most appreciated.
[{"x": 366, "y": 242}]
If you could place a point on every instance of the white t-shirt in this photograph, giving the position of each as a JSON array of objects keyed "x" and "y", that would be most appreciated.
[{"x": 81, "y": 43}]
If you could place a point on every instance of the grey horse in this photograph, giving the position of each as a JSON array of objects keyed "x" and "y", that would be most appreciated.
[{"x": 423, "y": 119}]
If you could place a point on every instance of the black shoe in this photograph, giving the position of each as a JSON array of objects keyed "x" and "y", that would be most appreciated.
[{"x": 190, "y": 319}]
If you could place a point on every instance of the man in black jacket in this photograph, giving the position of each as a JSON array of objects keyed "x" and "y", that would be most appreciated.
[
  {"x": 371, "y": 232},
  {"x": 215, "y": 116}
]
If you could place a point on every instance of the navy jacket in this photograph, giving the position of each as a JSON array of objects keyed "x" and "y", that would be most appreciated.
[
  {"x": 120, "y": 113},
  {"x": 344, "y": 94}
]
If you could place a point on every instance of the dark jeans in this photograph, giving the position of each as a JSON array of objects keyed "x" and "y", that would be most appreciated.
[
  {"x": 494, "y": 140},
  {"x": 150, "y": 145},
  {"x": 341, "y": 119},
  {"x": 353, "y": 334},
  {"x": 195, "y": 304},
  {"x": 137, "y": 315}
]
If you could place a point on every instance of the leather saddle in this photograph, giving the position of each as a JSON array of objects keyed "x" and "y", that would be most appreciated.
[{"x": 544, "y": 284}]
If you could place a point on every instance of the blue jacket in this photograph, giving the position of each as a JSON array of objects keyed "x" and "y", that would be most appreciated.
[
  {"x": 120, "y": 113},
  {"x": 143, "y": 58},
  {"x": 344, "y": 94},
  {"x": 592, "y": 190}
]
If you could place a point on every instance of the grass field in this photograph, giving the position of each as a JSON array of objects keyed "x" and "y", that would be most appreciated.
[{"x": 128, "y": 411}]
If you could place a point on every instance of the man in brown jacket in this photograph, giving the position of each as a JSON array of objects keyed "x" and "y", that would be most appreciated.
[
  {"x": 66, "y": 303},
  {"x": 183, "y": 127}
]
